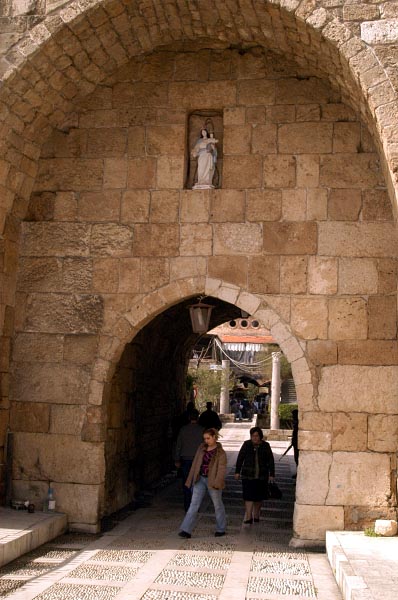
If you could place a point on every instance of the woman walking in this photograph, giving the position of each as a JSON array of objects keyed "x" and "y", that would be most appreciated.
[
  {"x": 207, "y": 473},
  {"x": 255, "y": 466}
]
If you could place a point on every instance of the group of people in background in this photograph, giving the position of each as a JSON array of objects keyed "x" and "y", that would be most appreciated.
[{"x": 203, "y": 464}]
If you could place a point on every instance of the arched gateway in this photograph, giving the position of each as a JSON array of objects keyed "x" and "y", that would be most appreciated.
[{"x": 106, "y": 234}]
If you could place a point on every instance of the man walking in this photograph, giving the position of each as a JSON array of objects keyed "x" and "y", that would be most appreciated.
[
  {"x": 209, "y": 418},
  {"x": 189, "y": 439}
]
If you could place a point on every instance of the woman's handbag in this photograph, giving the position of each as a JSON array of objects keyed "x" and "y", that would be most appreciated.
[{"x": 274, "y": 491}]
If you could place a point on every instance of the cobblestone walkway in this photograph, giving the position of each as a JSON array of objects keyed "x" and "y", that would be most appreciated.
[{"x": 142, "y": 558}]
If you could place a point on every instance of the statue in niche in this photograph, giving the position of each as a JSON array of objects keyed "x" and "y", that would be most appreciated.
[{"x": 206, "y": 153}]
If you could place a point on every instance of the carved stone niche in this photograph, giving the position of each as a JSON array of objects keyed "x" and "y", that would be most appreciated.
[{"x": 212, "y": 122}]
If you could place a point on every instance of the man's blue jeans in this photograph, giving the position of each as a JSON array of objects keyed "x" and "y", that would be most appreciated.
[{"x": 199, "y": 491}]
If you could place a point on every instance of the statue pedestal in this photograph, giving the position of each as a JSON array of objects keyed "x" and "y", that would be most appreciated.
[{"x": 203, "y": 187}]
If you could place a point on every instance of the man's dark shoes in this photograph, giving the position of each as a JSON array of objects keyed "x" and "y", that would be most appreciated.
[
  {"x": 184, "y": 534},
  {"x": 219, "y": 533}
]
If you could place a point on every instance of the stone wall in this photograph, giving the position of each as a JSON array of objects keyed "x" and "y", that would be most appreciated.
[{"x": 301, "y": 235}]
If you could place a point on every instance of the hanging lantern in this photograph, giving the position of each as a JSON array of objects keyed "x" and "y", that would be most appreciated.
[{"x": 200, "y": 317}]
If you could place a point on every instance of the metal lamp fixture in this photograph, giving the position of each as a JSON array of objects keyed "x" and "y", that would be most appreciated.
[{"x": 200, "y": 316}]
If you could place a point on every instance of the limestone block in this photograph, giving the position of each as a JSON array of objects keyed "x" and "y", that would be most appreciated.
[
  {"x": 99, "y": 206},
  {"x": 346, "y": 137},
  {"x": 293, "y": 274},
  {"x": 387, "y": 276},
  {"x": 305, "y": 396},
  {"x": 136, "y": 141},
  {"x": 206, "y": 95},
  {"x": 67, "y": 419},
  {"x": 281, "y": 305},
  {"x": 315, "y": 421},
  {"x": 376, "y": 206},
  {"x": 42, "y": 456},
  {"x": 256, "y": 91},
  {"x": 80, "y": 349},
  {"x": 303, "y": 91},
  {"x": 154, "y": 274},
  {"x": 106, "y": 142},
  {"x": 237, "y": 139},
  {"x": 263, "y": 205},
  {"x": 141, "y": 173},
  {"x": 350, "y": 171},
  {"x": 227, "y": 205},
  {"x": 309, "y": 317},
  {"x": 63, "y": 313},
  {"x": 135, "y": 206},
  {"x": 55, "y": 239},
  {"x": 187, "y": 266},
  {"x": 243, "y": 171},
  {"x": 248, "y": 302},
  {"x": 305, "y": 138},
  {"x": 301, "y": 371},
  {"x": 357, "y": 239},
  {"x": 294, "y": 205},
  {"x": 344, "y": 205},
  {"x": 164, "y": 206},
  {"x": 383, "y": 433},
  {"x": 56, "y": 383},
  {"x": 372, "y": 389},
  {"x": 111, "y": 239},
  {"x": 139, "y": 94},
  {"x": 170, "y": 172},
  {"x": 349, "y": 432},
  {"x": 308, "y": 171},
  {"x": 156, "y": 240},
  {"x": 358, "y": 276},
  {"x": 129, "y": 275},
  {"x": 221, "y": 267},
  {"x": 237, "y": 238},
  {"x": 338, "y": 112},
  {"x": 65, "y": 206},
  {"x": 322, "y": 352},
  {"x": 69, "y": 174},
  {"x": 382, "y": 317},
  {"x": 157, "y": 67},
  {"x": 80, "y": 502},
  {"x": 368, "y": 352},
  {"x": 77, "y": 275},
  {"x": 29, "y": 417},
  {"x": 315, "y": 440},
  {"x": 195, "y": 206},
  {"x": 383, "y": 31},
  {"x": 290, "y": 238},
  {"x": 317, "y": 204},
  {"x": 281, "y": 113},
  {"x": 264, "y": 139},
  {"x": 292, "y": 349},
  {"x": 348, "y": 319},
  {"x": 279, "y": 171},
  {"x": 37, "y": 347},
  {"x": 312, "y": 522},
  {"x": 235, "y": 115},
  {"x": 40, "y": 274},
  {"x": 264, "y": 274},
  {"x": 308, "y": 112},
  {"x": 386, "y": 527},
  {"x": 359, "y": 478},
  {"x": 115, "y": 173},
  {"x": 322, "y": 275},
  {"x": 196, "y": 239},
  {"x": 313, "y": 477},
  {"x": 105, "y": 275},
  {"x": 165, "y": 140}
]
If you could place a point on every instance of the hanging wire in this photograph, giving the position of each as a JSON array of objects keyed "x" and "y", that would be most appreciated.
[{"x": 248, "y": 368}]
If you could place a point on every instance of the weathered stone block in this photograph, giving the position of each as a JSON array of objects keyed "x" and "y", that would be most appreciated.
[
  {"x": 386, "y": 527},
  {"x": 37, "y": 347},
  {"x": 293, "y": 274},
  {"x": 65, "y": 206},
  {"x": 322, "y": 275},
  {"x": 141, "y": 173},
  {"x": 358, "y": 239},
  {"x": 313, "y": 484},
  {"x": 387, "y": 276},
  {"x": 382, "y": 433},
  {"x": 222, "y": 267},
  {"x": 315, "y": 420},
  {"x": 156, "y": 240},
  {"x": 264, "y": 274},
  {"x": 206, "y": 95},
  {"x": 129, "y": 275},
  {"x": 79, "y": 502},
  {"x": 99, "y": 206},
  {"x": 80, "y": 349},
  {"x": 361, "y": 478},
  {"x": 115, "y": 173},
  {"x": 196, "y": 239},
  {"x": 166, "y": 140},
  {"x": 154, "y": 273},
  {"x": 67, "y": 419},
  {"x": 303, "y": 91},
  {"x": 358, "y": 276},
  {"x": 195, "y": 206},
  {"x": 111, "y": 239},
  {"x": 320, "y": 441},
  {"x": 242, "y": 171},
  {"x": 294, "y": 205},
  {"x": 69, "y": 174},
  {"x": 305, "y": 138},
  {"x": 346, "y": 137},
  {"x": 77, "y": 275},
  {"x": 63, "y": 313},
  {"x": 164, "y": 206},
  {"x": 279, "y": 171},
  {"x": 40, "y": 274},
  {"x": 290, "y": 238},
  {"x": 382, "y": 317},
  {"x": 136, "y": 141},
  {"x": 55, "y": 239},
  {"x": 309, "y": 317},
  {"x": 186, "y": 266},
  {"x": 135, "y": 206},
  {"x": 350, "y": 171},
  {"x": 237, "y": 139},
  {"x": 263, "y": 205},
  {"x": 317, "y": 204},
  {"x": 344, "y": 205},
  {"x": 170, "y": 172},
  {"x": 227, "y": 205},
  {"x": 349, "y": 432},
  {"x": 368, "y": 352},
  {"x": 322, "y": 352},
  {"x": 105, "y": 275},
  {"x": 311, "y": 522},
  {"x": 106, "y": 142},
  {"x": 234, "y": 116},
  {"x": 237, "y": 238},
  {"x": 256, "y": 91},
  {"x": 348, "y": 319},
  {"x": 139, "y": 94},
  {"x": 376, "y": 206},
  {"x": 29, "y": 417},
  {"x": 264, "y": 139},
  {"x": 372, "y": 389}
]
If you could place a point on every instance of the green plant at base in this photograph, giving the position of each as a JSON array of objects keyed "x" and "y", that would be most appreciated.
[
  {"x": 370, "y": 532},
  {"x": 285, "y": 415}
]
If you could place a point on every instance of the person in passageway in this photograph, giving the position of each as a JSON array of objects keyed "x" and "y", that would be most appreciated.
[
  {"x": 255, "y": 466},
  {"x": 207, "y": 474}
]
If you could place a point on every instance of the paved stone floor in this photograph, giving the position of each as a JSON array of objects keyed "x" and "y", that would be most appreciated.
[{"x": 142, "y": 558}]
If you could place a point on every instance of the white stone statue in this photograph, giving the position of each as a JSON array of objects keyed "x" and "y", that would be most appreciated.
[{"x": 206, "y": 152}]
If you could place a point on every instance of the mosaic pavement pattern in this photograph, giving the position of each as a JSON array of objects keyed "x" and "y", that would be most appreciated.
[{"x": 146, "y": 560}]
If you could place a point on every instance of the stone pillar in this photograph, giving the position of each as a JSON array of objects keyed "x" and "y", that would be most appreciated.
[
  {"x": 275, "y": 390},
  {"x": 224, "y": 396}
]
